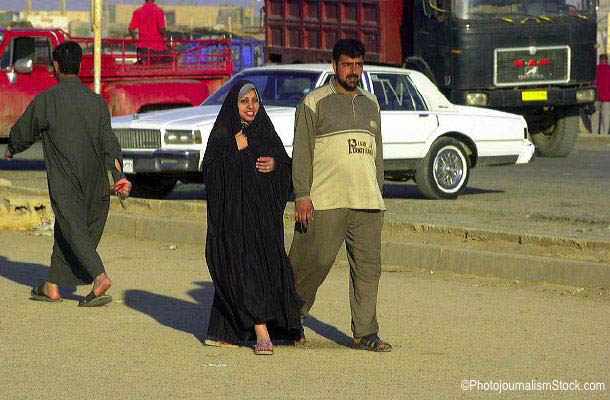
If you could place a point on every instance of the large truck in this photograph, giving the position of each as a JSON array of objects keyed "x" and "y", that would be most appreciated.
[
  {"x": 531, "y": 57},
  {"x": 132, "y": 82}
]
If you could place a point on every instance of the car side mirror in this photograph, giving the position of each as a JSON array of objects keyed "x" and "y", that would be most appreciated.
[{"x": 24, "y": 66}]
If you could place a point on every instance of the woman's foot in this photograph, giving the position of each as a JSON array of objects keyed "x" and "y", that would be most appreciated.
[{"x": 263, "y": 341}]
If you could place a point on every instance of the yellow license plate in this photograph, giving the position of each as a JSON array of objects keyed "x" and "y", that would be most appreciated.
[{"x": 534, "y": 96}]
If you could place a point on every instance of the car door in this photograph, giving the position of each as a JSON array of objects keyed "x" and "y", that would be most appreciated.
[
  {"x": 406, "y": 122},
  {"x": 18, "y": 89}
]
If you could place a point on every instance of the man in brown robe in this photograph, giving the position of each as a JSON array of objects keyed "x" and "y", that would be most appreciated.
[{"x": 79, "y": 147}]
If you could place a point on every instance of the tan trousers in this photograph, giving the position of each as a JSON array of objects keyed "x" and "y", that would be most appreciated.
[{"x": 313, "y": 252}]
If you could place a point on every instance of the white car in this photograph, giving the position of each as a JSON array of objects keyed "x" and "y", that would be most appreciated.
[{"x": 425, "y": 137}]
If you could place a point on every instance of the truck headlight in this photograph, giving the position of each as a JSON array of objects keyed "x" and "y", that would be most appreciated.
[
  {"x": 476, "y": 99},
  {"x": 585, "y": 96},
  {"x": 178, "y": 137}
]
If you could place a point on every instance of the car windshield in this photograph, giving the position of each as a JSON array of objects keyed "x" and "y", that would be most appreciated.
[
  {"x": 494, "y": 9},
  {"x": 276, "y": 88}
]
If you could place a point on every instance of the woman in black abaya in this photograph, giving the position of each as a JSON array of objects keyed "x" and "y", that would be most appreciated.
[{"x": 248, "y": 181}]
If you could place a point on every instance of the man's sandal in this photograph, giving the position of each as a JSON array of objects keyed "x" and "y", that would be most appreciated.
[
  {"x": 263, "y": 348},
  {"x": 38, "y": 295},
  {"x": 372, "y": 343}
]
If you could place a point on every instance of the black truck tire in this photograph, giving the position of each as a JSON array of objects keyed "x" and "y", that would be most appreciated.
[
  {"x": 444, "y": 172},
  {"x": 559, "y": 139},
  {"x": 150, "y": 186}
]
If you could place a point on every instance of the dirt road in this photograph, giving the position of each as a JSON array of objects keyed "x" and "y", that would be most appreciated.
[{"x": 146, "y": 344}]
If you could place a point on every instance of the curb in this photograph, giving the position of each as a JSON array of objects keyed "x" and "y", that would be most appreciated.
[{"x": 399, "y": 255}]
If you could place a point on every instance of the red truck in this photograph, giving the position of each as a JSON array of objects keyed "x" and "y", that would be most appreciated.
[
  {"x": 534, "y": 58},
  {"x": 183, "y": 76}
]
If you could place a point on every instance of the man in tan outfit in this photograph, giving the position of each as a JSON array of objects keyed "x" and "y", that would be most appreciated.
[{"x": 337, "y": 172}]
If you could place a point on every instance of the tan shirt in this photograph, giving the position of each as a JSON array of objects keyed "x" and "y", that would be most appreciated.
[{"x": 337, "y": 150}]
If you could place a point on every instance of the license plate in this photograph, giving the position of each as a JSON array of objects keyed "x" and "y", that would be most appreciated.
[
  {"x": 534, "y": 96},
  {"x": 128, "y": 165}
]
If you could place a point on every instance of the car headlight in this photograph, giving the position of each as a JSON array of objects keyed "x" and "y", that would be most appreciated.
[
  {"x": 178, "y": 137},
  {"x": 476, "y": 99},
  {"x": 585, "y": 96}
]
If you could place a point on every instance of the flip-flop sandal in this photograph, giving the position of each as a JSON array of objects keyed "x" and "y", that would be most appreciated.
[
  {"x": 218, "y": 343},
  {"x": 263, "y": 348},
  {"x": 372, "y": 343},
  {"x": 38, "y": 295},
  {"x": 91, "y": 300}
]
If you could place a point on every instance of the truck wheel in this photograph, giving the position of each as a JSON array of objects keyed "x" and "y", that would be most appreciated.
[
  {"x": 559, "y": 138},
  {"x": 151, "y": 187},
  {"x": 444, "y": 172}
]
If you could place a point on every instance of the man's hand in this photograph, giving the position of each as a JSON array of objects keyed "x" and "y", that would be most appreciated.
[
  {"x": 303, "y": 209},
  {"x": 265, "y": 164},
  {"x": 7, "y": 154},
  {"x": 242, "y": 140},
  {"x": 122, "y": 188}
]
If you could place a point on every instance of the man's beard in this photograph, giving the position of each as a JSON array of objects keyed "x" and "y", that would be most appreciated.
[{"x": 347, "y": 85}]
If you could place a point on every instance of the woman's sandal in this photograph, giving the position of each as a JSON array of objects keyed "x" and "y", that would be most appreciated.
[
  {"x": 372, "y": 343},
  {"x": 263, "y": 348}
]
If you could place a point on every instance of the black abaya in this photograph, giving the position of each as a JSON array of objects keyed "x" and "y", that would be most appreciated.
[{"x": 245, "y": 253}]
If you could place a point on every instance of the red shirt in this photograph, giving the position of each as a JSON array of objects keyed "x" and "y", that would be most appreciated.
[
  {"x": 149, "y": 20},
  {"x": 603, "y": 82}
]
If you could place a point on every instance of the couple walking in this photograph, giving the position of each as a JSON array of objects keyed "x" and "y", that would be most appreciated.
[{"x": 260, "y": 291}]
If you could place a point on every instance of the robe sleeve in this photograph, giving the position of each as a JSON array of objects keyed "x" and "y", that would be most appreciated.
[
  {"x": 111, "y": 149},
  {"x": 218, "y": 160},
  {"x": 29, "y": 126},
  {"x": 283, "y": 172}
]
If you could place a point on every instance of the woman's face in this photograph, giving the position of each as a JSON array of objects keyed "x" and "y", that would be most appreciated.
[{"x": 248, "y": 106}]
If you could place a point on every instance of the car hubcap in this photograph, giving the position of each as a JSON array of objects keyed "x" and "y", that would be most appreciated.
[{"x": 448, "y": 168}]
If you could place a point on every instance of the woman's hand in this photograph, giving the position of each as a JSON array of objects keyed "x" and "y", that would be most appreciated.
[
  {"x": 265, "y": 164},
  {"x": 242, "y": 140}
]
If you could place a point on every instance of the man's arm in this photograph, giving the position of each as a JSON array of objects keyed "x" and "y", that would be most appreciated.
[
  {"x": 302, "y": 153},
  {"x": 26, "y": 130},
  {"x": 302, "y": 162},
  {"x": 111, "y": 149},
  {"x": 161, "y": 24},
  {"x": 379, "y": 155},
  {"x": 133, "y": 25}
]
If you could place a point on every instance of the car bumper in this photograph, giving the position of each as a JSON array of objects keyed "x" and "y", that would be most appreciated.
[
  {"x": 513, "y": 98},
  {"x": 527, "y": 152},
  {"x": 162, "y": 161}
]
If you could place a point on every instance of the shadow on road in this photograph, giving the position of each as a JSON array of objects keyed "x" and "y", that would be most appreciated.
[
  {"x": 410, "y": 191},
  {"x": 328, "y": 331},
  {"x": 186, "y": 316},
  {"x": 192, "y": 316},
  {"x": 22, "y": 165},
  {"x": 28, "y": 274}
]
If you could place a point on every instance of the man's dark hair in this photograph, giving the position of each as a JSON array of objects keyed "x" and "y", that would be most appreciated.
[
  {"x": 348, "y": 47},
  {"x": 603, "y": 57},
  {"x": 68, "y": 55}
]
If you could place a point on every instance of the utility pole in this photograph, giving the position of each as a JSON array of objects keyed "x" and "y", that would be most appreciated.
[
  {"x": 29, "y": 7},
  {"x": 62, "y": 7},
  {"x": 97, "y": 46}
]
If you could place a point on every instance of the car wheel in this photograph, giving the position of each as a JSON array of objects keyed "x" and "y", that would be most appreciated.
[
  {"x": 444, "y": 172},
  {"x": 151, "y": 187}
]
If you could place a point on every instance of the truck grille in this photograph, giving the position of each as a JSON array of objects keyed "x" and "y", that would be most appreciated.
[
  {"x": 516, "y": 67},
  {"x": 138, "y": 138}
]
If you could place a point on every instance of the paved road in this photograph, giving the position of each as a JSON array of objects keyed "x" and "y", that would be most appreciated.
[
  {"x": 146, "y": 344},
  {"x": 566, "y": 197}
]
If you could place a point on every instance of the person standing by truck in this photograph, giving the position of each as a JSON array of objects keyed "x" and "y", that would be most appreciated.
[
  {"x": 79, "y": 147},
  {"x": 600, "y": 123},
  {"x": 338, "y": 178},
  {"x": 149, "y": 21}
]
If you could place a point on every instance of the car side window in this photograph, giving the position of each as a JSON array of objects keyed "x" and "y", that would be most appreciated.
[
  {"x": 396, "y": 92},
  {"x": 5, "y": 60},
  {"x": 42, "y": 51}
]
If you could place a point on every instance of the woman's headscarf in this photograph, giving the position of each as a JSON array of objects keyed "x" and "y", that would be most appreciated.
[{"x": 228, "y": 119}]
